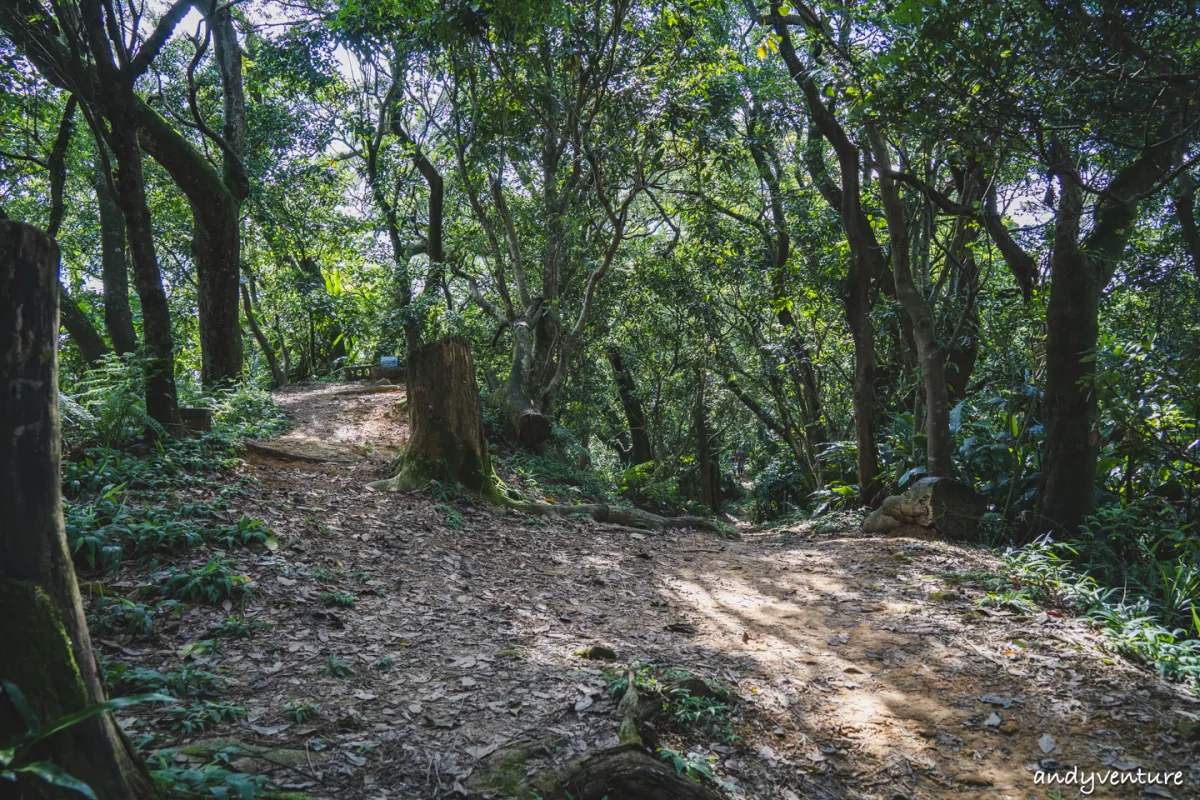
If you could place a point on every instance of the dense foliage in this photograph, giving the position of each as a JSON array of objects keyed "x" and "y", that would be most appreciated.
[{"x": 843, "y": 246}]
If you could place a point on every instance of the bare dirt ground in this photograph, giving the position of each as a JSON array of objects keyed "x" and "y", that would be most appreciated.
[{"x": 852, "y": 680}]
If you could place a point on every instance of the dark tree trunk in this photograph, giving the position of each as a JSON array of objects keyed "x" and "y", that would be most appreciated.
[
  {"x": 162, "y": 403},
  {"x": 118, "y": 318},
  {"x": 707, "y": 456},
  {"x": 1079, "y": 271},
  {"x": 530, "y": 426},
  {"x": 627, "y": 389},
  {"x": 866, "y": 262},
  {"x": 215, "y": 199},
  {"x": 447, "y": 442},
  {"x": 216, "y": 249},
  {"x": 1070, "y": 409},
  {"x": 277, "y": 374},
  {"x": 939, "y": 442},
  {"x": 48, "y": 653},
  {"x": 80, "y": 328}
]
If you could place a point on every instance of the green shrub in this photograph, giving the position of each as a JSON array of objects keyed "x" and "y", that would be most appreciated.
[
  {"x": 299, "y": 712},
  {"x": 337, "y": 668},
  {"x": 119, "y": 615},
  {"x": 239, "y": 627},
  {"x": 212, "y": 583},
  {"x": 204, "y": 714},
  {"x": 341, "y": 599}
]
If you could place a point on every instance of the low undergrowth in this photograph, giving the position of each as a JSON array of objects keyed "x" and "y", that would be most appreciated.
[
  {"x": 133, "y": 496},
  {"x": 687, "y": 705},
  {"x": 1133, "y": 571}
]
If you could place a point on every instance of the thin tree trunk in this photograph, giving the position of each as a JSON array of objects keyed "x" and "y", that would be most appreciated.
[
  {"x": 118, "y": 317},
  {"x": 707, "y": 460},
  {"x": 277, "y": 374},
  {"x": 865, "y": 263},
  {"x": 939, "y": 442},
  {"x": 636, "y": 416},
  {"x": 80, "y": 328},
  {"x": 48, "y": 653},
  {"x": 162, "y": 403}
]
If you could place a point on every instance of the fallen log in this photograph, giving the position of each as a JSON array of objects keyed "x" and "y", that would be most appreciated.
[{"x": 931, "y": 506}]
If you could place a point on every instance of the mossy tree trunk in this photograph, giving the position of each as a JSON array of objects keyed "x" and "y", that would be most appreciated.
[
  {"x": 43, "y": 635},
  {"x": 446, "y": 443}
]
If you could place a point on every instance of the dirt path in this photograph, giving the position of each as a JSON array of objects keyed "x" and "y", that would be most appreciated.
[{"x": 854, "y": 678}]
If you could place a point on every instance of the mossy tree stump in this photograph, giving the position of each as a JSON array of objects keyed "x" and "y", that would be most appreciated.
[
  {"x": 446, "y": 442},
  {"x": 43, "y": 635}
]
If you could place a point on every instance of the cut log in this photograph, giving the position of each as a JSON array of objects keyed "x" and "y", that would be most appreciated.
[
  {"x": 940, "y": 506},
  {"x": 447, "y": 442}
]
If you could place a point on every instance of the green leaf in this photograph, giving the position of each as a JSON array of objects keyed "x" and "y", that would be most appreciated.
[
  {"x": 17, "y": 697},
  {"x": 55, "y": 776},
  {"x": 87, "y": 712}
]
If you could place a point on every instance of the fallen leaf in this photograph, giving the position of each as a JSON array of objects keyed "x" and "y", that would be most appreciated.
[
  {"x": 996, "y": 700},
  {"x": 584, "y": 703}
]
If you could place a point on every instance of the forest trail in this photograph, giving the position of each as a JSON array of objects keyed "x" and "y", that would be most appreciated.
[{"x": 859, "y": 672}]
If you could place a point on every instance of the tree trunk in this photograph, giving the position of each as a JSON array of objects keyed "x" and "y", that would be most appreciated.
[
  {"x": 531, "y": 427},
  {"x": 866, "y": 261},
  {"x": 81, "y": 330},
  {"x": 162, "y": 402},
  {"x": 447, "y": 443},
  {"x": 118, "y": 318},
  {"x": 216, "y": 249},
  {"x": 48, "y": 653},
  {"x": 215, "y": 199},
  {"x": 277, "y": 374},
  {"x": 1079, "y": 271},
  {"x": 627, "y": 389},
  {"x": 939, "y": 442},
  {"x": 706, "y": 455},
  {"x": 1069, "y": 406}
]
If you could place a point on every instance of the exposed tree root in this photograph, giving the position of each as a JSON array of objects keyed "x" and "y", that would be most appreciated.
[
  {"x": 275, "y": 452},
  {"x": 629, "y": 772},
  {"x": 629, "y": 517}
]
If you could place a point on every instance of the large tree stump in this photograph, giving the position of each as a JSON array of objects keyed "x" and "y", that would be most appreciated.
[
  {"x": 447, "y": 443},
  {"x": 43, "y": 635},
  {"x": 940, "y": 506}
]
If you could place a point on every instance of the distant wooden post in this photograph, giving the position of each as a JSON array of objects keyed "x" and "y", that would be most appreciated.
[{"x": 44, "y": 639}]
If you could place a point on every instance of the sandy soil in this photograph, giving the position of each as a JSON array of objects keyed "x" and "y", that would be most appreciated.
[{"x": 859, "y": 671}]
